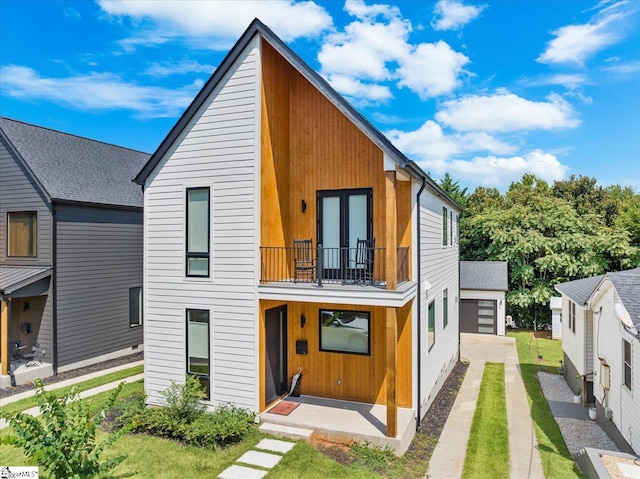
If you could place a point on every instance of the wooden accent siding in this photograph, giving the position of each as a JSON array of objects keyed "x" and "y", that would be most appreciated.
[
  {"x": 309, "y": 145},
  {"x": 403, "y": 205},
  {"x": 363, "y": 378}
]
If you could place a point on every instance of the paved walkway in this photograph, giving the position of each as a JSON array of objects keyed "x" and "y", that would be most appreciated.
[
  {"x": 256, "y": 464},
  {"x": 35, "y": 411},
  {"x": 448, "y": 458}
]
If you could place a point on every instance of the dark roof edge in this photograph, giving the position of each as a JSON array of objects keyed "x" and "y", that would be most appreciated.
[
  {"x": 9, "y": 290},
  {"x": 74, "y": 135},
  {"x": 312, "y": 76},
  {"x": 90, "y": 204},
  {"x": 25, "y": 165}
]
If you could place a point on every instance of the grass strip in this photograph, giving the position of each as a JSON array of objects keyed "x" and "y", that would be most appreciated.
[
  {"x": 82, "y": 386},
  {"x": 488, "y": 447},
  {"x": 538, "y": 354}
]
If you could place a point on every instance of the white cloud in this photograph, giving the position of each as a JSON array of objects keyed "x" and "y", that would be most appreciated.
[
  {"x": 623, "y": 68},
  {"x": 365, "y": 93},
  {"x": 452, "y": 15},
  {"x": 225, "y": 19},
  {"x": 567, "y": 80},
  {"x": 505, "y": 111},
  {"x": 575, "y": 43},
  {"x": 96, "y": 91},
  {"x": 499, "y": 172},
  {"x": 432, "y": 69},
  {"x": 185, "y": 66},
  {"x": 375, "y": 48},
  {"x": 431, "y": 144}
]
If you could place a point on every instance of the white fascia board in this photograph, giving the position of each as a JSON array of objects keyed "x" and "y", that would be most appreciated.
[{"x": 326, "y": 294}]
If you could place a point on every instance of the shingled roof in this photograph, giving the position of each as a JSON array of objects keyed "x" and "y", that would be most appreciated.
[
  {"x": 627, "y": 284},
  {"x": 484, "y": 275},
  {"x": 579, "y": 290},
  {"x": 72, "y": 168}
]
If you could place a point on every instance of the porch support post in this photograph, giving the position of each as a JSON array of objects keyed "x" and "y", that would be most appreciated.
[
  {"x": 4, "y": 335},
  {"x": 392, "y": 363},
  {"x": 391, "y": 228}
]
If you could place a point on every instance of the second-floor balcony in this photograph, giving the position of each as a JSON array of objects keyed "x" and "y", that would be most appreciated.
[{"x": 304, "y": 265}]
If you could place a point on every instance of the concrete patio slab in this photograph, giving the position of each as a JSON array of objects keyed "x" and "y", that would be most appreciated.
[
  {"x": 568, "y": 410},
  {"x": 241, "y": 472},
  {"x": 275, "y": 445},
  {"x": 261, "y": 459}
]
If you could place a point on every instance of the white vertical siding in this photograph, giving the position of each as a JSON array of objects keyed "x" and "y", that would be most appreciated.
[
  {"x": 439, "y": 270},
  {"x": 218, "y": 149},
  {"x": 607, "y": 344}
]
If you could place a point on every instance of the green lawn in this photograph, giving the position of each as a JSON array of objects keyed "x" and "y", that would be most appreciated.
[
  {"x": 83, "y": 386},
  {"x": 146, "y": 456},
  {"x": 544, "y": 355},
  {"x": 488, "y": 447}
]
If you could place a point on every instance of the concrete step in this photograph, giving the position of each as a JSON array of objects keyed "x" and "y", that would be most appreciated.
[{"x": 287, "y": 432}]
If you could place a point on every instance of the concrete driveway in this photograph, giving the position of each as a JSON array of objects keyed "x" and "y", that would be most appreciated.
[{"x": 447, "y": 461}]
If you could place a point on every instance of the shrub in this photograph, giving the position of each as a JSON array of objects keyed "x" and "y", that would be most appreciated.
[
  {"x": 227, "y": 425},
  {"x": 63, "y": 442},
  {"x": 183, "y": 400}
]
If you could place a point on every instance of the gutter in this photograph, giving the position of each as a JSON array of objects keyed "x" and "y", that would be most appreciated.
[
  {"x": 419, "y": 370},
  {"x": 54, "y": 288}
]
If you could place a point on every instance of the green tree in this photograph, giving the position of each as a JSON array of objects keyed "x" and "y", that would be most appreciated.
[
  {"x": 587, "y": 197},
  {"x": 460, "y": 195},
  {"x": 545, "y": 241}
]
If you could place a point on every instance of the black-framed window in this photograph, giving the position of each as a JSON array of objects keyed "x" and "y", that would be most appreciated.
[
  {"x": 431, "y": 327},
  {"x": 135, "y": 306},
  {"x": 198, "y": 351},
  {"x": 445, "y": 229},
  {"x": 451, "y": 228},
  {"x": 198, "y": 232},
  {"x": 626, "y": 346},
  {"x": 445, "y": 308},
  {"x": 345, "y": 331},
  {"x": 22, "y": 234}
]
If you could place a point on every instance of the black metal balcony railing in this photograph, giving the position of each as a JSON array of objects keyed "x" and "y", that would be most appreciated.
[{"x": 330, "y": 265}]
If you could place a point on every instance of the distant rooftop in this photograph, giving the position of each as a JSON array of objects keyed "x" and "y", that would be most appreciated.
[
  {"x": 484, "y": 275},
  {"x": 579, "y": 290},
  {"x": 73, "y": 168},
  {"x": 627, "y": 284}
]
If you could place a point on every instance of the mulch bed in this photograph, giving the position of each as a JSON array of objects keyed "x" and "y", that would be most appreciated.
[
  {"x": 431, "y": 426},
  {"x": 11, "y": 390}
]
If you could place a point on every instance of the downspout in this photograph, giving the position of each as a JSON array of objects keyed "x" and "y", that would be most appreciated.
[
  {"x": 54, "y": 288},
  {"x": 419, "y": 403}
]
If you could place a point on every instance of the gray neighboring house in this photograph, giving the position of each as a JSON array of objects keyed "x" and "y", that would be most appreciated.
[
  {"x": 483, "y": 289},
  {"x": 71, "y": 239}
]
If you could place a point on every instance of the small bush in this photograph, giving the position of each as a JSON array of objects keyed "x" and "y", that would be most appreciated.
[
  {"x": 64, "y": 441},
  {"x": 227, "y": 425},
  {"x": 183, "y": 400}
]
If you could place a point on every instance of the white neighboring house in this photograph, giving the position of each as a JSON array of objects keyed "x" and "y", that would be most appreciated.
[
  {"x": 617, "y": 352},
  {"x": 577, "y": 334},
  {"x": 555, "y": 305},
  {"x": 483, "y": 289}
]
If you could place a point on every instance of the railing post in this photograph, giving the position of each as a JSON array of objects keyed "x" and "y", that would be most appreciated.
[{"x": 319, "y": 266}]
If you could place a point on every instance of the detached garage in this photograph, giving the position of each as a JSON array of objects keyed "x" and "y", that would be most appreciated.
[{"x": 483, "y": 290}]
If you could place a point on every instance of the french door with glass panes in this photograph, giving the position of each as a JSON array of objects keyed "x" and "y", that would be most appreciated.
[{"x": 344, "y": 216}]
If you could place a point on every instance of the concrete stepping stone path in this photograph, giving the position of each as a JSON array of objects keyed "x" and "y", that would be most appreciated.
[{"x": 259, "y": 459}]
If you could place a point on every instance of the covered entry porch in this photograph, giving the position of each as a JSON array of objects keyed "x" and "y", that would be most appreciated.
[
  {"x": 25, "y": 324},
  {"x": 355, "y": 354},
  {"x": 343, "y": 422}
]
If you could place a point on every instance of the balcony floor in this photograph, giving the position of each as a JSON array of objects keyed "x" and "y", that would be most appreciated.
[{"x": 346, "y": 421}]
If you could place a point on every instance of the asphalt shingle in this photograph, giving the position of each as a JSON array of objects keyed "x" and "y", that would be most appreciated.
[
  {"x": 73, "y": 168},
  {"x": 484, "y": 275}
]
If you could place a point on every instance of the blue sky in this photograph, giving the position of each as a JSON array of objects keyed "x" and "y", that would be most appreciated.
[{"x": 486, "y": 91}]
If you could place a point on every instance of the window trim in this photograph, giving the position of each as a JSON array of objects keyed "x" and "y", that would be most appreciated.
[
  {"x": 140, "y": 309},
  {"x": 445, "y": 228},
  {"x": 365, "y": 314},
  {"x": 445, "y": 308},
  {"x": 190, "y": 255},
  {"x": 450, "y": 227},
  {"x": 186, "y": 339},
  {"x": 35, "y": 230},
  {"x": 572, "y": 316},
  {"x": 431, "y": 306},
  {"x": 627, "y": 364}
]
